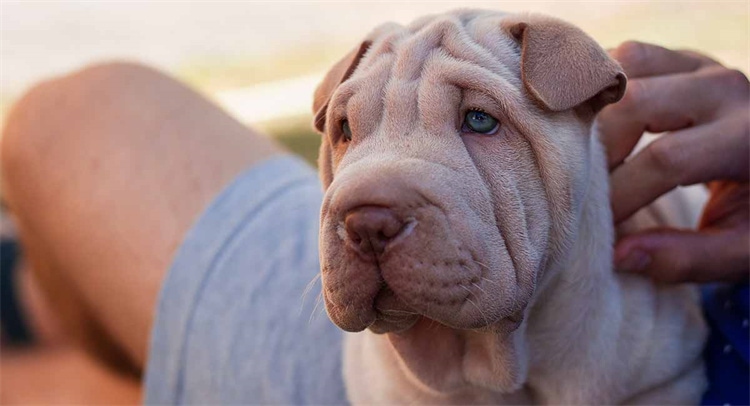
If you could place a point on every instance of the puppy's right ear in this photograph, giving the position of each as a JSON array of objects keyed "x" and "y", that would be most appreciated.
[{"x": 340, "y": 72}]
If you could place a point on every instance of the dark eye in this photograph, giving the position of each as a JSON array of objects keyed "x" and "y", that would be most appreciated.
[
  {"x": 346, "y": 130},
  {"x": 480, "y": 122}
]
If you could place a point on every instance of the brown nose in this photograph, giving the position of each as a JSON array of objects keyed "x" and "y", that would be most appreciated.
[{"x": 371, "y": 228}]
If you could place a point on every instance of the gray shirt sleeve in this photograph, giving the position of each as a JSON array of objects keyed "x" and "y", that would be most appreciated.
[{"x": 234, "y": 323}]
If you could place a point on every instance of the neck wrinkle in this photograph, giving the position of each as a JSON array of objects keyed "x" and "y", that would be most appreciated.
[{"x": 580, "y": 301}]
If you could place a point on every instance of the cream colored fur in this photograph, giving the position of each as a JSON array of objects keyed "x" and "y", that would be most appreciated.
[{"x": 502, "y": 289}]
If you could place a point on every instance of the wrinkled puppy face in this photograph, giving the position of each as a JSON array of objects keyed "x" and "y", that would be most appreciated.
[{"x": 431, "y": 211}]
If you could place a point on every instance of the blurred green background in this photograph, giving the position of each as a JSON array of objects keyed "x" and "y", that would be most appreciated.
[{"x": 261, "y": 60}]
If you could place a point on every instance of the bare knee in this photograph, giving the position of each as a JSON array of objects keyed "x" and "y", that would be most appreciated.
[
  {"x": 24, "y": 137},
  {"x": 100, "y": 109},
  {"x": 56, "y": 121}
]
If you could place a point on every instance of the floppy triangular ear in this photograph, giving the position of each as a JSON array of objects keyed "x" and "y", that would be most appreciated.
[
  {"x": 339, "y": 73},
  {"x": 562, "y": 67}
]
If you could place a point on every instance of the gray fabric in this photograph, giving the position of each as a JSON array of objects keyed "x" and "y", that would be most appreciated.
[{"x": 232, "y": 325}]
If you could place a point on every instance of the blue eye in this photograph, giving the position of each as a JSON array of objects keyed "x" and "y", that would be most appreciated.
[
  {"x": 480, "y": 122},
  {"x": 346, "y": 130}
]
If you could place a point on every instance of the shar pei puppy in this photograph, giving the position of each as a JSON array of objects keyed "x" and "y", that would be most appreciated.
[{"x": 466, "y": 232}]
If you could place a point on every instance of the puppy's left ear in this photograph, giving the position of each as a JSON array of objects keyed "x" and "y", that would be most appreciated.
[{"x": 562, "y": 67}]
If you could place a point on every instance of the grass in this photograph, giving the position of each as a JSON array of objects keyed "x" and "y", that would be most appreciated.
[{"x": 304, "y": 143}]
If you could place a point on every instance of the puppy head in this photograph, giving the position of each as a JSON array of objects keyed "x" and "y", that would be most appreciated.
[{"x": 455, "y": 158}]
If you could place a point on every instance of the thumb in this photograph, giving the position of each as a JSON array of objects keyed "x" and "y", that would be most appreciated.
[{"x": 669, "y": 255}]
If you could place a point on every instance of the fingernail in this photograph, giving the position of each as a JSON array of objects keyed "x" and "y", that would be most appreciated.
[{"x": 635, "y": 261}]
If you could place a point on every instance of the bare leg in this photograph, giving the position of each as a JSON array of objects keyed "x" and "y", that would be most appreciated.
[
  {"x": 37, "y": 312},
  {"x": 105, "y": 170},
  {"x": 61, "y": 375}
]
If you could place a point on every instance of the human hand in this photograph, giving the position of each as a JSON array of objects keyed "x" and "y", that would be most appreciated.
[{"x": 705, "y": 108}]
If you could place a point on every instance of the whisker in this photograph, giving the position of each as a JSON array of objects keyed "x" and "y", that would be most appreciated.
[
  {"x": 321, "y": 311},
  {"x": 481, "y": 264},
  {"x": 433, "y": 325},
  {"x": 306, "y": 292},
  {"x": 310, "y": 285},
  {"x": 491, "y": 281},
  {"x": 314, "y": 313},
  {"x": 479, "y": 287},
  {"x": 480, "y": 311}
]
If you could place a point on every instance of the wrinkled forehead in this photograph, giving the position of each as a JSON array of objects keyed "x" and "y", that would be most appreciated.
[
  {"x": 471, "y": 36},
  {"x": 467, "y": 50}
]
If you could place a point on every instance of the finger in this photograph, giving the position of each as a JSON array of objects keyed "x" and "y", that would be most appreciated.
[
  {"x": 718, "y": 150},
  {"x": 686, "y": 256},
  {"x": 707, "y": 61},
  {"x": 639, "y": 59},
  {"x": 665, "y": 103}
]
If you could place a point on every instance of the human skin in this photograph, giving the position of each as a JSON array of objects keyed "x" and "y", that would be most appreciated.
[
  {"x": 704, "y": 108},
  {"x": 105, "y": 170}
]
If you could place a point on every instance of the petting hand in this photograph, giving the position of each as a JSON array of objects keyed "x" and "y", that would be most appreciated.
[{"x": 705, "y": 108}]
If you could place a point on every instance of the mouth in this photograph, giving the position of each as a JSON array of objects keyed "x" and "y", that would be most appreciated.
[
  {"x": 429, "y": 264},
  {"x": 385, "y": 297},
  {"x": 392, "y": 314}
]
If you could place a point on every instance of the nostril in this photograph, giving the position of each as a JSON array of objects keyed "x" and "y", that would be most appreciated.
[
  {"x": 370, "y": 228},
  {"x": 354, "y": 237}
]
